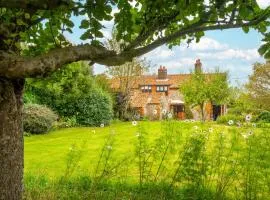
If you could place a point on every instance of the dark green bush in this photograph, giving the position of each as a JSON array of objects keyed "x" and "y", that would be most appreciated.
[
  {"x": 264, "y": 117},
  {"x": 74, "y": 95},
  {"x": 94, "y": 109},
  {"x": 38, "y": 119},
  {"x": 224, "y": 119}
]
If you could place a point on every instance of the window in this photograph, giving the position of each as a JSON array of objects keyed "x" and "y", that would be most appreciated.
[
  {"x": 146, "y": 88},
  {"x": 162, "y": 88}
]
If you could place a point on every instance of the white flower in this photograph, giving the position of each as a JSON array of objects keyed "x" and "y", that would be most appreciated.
[
  {"x": 164, "y": 111},
  {"x": 192, "y": 120},
  {"x": 248, "y": 117},
  {"x": 101, "y": 125},
  {"x": 250, "y": 133},
  {"x": 155, "y": 112},
  {"x": 109, "y": 147},
  {"x": 254, "y": 125},
  {"x": 230, "y": 122},
  {"x": 134, "y": 123},
  {"x": 210, "y": 130},
  {"x": 169, "y": 115}
]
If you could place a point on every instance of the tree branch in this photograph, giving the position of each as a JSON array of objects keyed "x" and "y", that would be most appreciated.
[
  {"x": 13, "y": 66},
  {"x": 34, "y": 4},
  {"x": 128, "y": 55},
  {"x": 17, "y": 66}
]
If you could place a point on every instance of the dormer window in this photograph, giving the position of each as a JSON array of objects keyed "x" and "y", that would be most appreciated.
[
  {"x": 162, "y": 88},
  {"x": 146, "y": 88}
]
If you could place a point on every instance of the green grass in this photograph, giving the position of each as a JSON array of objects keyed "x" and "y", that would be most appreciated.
[
  {"x": 198, "y": 163},
  {"x": 47, "y": 153}
]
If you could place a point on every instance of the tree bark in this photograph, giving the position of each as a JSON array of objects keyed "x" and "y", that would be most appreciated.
[
  {"x": 11, "y": 139},
  {"x": 202, "y": 111}
]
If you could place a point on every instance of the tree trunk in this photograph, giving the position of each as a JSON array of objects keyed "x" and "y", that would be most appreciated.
[
  {"x": 202, "y": 111},
  {"x": 11, "y": 139}
]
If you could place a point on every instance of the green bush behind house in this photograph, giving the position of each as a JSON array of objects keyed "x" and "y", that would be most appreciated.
[
  {"x": 73, "y": 93},
  {"x": 38, "y": 119}
]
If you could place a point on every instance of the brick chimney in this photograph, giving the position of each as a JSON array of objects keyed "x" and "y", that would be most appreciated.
[
  {"x": 198, "y": 66},
  {"x": 162, "y": 72}
]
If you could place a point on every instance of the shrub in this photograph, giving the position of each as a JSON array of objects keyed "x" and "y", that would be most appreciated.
[
  {"x": 94, "y": 109},
  {"x": 66, "y": 122},
  {"x": 38, "y": 118},
  {"x": 224, "y": 119},
  {"x": 264, "y": 117},
  {"x": 74, "y": 95},
  {"x": 188, "y": 112}
]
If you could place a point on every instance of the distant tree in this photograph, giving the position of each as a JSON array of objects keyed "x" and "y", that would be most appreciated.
[
  {"x": 259, "y": 85},
  {"x": 126, "y": 75},
  {"x": 202, "y": 88}
]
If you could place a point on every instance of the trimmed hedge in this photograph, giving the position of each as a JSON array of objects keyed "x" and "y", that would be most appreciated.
[{"x": 38, "y": 119}]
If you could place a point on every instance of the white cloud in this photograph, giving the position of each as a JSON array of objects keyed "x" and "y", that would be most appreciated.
[
  {"x": 244, "y": 54},
  {"x": 159, "y": 53},
  {"x": 263, "y": 3},
  {"x": 207, "y": 44}
]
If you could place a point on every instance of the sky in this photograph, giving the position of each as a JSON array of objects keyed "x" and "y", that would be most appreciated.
[{"x": 229, "y": 50}]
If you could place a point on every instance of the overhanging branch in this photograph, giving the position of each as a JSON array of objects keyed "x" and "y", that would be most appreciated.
[
  {"x": 17, "y": 67},
  {"x": 128, "y": 55},
  {"x": 34, "y": 4},
  {"x": 13, "y": 66}
]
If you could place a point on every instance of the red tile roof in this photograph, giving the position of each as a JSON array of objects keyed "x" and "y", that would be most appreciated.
[{"x": 173, "y": 80}]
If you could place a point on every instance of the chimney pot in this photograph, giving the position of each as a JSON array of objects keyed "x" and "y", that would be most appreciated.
[
  {"x": 162, "y": 72},
  {"x": 198, "y": 66}
]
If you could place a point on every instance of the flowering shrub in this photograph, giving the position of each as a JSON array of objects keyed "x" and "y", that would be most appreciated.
[{"x": 38, "y": 118}]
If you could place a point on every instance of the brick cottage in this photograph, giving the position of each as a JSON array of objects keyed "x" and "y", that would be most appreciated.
[{"x": 151, "y": 95}]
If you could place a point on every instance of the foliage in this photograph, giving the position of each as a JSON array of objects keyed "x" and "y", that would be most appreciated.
[
  {"x": 38, "y": 119},
  {"x": 143, "y": 21},
  {"x": 73, "y": 93},
  {"x": 259, "y": 86},
  {"x": 125, "y": 76},
  {"x": 94, "y": 109},
  {"x": 224, "y": 119},
  {"x": 202, "y": 88},
  {"x": 66, "y": 122},
  {"x": 263, "y": 117},
  {"x": 264, "y": 49},
  {"x": 188, "y": 112}
]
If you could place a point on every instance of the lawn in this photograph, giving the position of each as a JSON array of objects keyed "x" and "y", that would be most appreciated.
[
  {"x": 224, "y": 162},
  {"x": 48, "y": 153}
]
